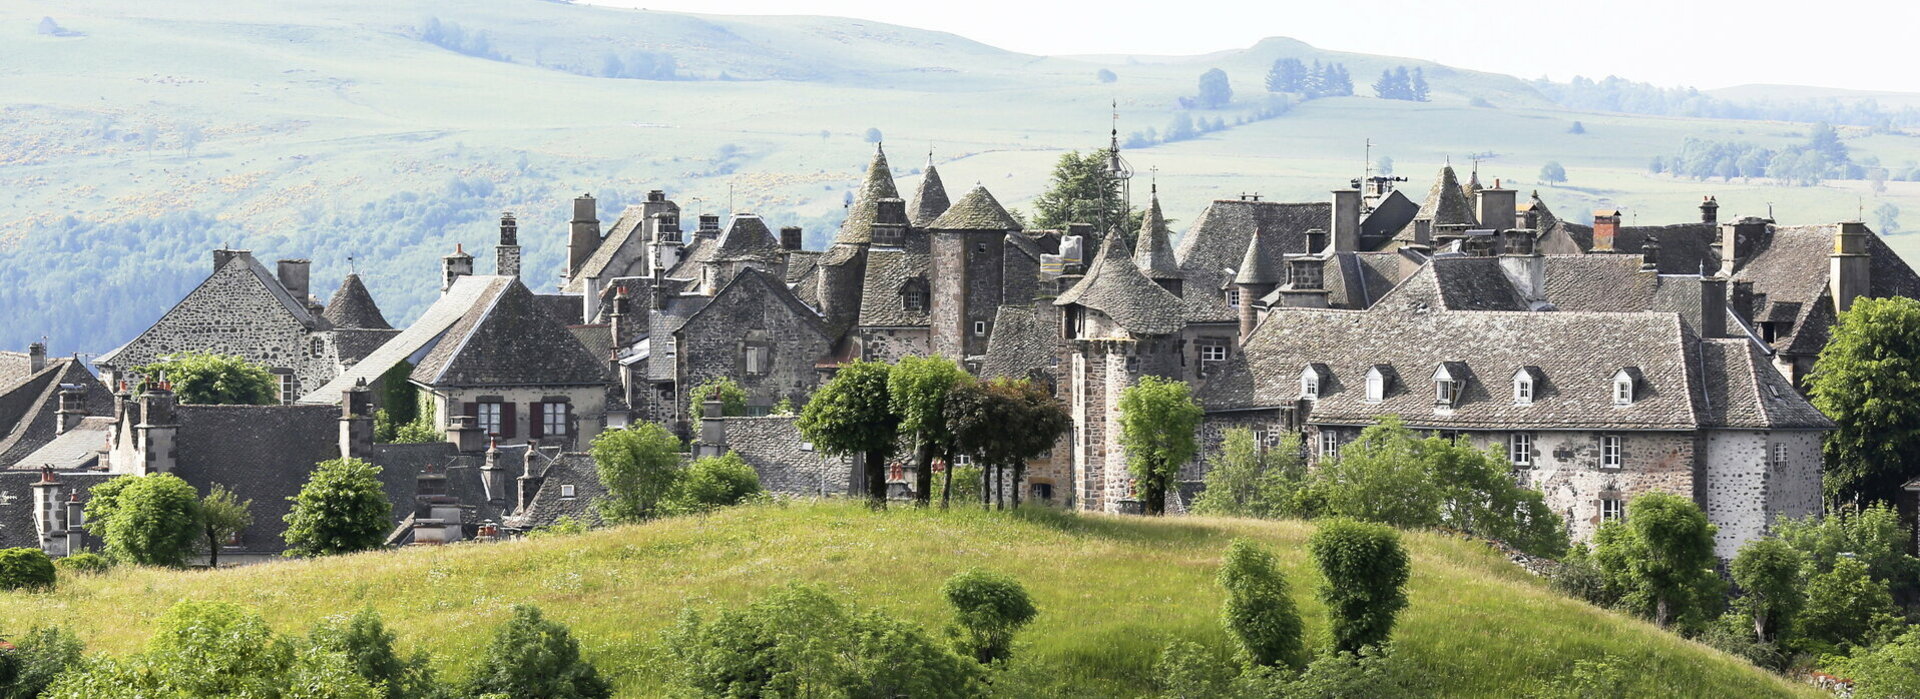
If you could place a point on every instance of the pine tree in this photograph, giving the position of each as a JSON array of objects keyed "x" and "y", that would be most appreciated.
[
  {"x": 1417, "y": 89},
  {"x": 1384, "y": 87},
  {"x": 1314, "y": 84}
]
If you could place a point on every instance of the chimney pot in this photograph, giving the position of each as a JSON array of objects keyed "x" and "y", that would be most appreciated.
[
  {"x": 790, "y": 237},
  {"x": 36, "y": 357}
]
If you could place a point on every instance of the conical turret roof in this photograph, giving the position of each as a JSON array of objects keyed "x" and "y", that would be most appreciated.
[
  {"x": 1116, "y": 287},
  {"x": 929, "y": 201},
  {"x": 977, "y": 211},
  {"x": 1258, "y": 265},
  {"x": 352, "y": 307},
  {"x": 1447, "y": 202},
  {"x": 858, "y": 228},
  {"x": 1155, "y": 257}
]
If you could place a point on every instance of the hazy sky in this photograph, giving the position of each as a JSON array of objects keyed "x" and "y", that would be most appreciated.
[{"x": 1839, "y": 43}]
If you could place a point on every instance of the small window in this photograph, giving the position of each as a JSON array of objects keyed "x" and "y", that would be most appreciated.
[
  {"x": 1213, "y": 351},
  {"x": 1329, "y": 444},
  {"x": 979, "y": 328},
  {"x": 757, "y": 358},
  {"x": 1233, "y": 298},
  {"x": 980, "y": 247},
  {"x": 1610, "y": 451},
  {"x": 316, "y": 348},
  {"x": 913, "y": 297},
  {"x": 553, "y": 419},
  {"x": 1445, "y": 391},
  {"x": 566, "y": 490},
  {"x": 488, "y": 417},
  {"x": 1523, "y": 388},
  {"x": 1780, "y": 453},
  {"x": 806, "y": 446},
  {"x": 1272, "y": 438},
  {"x": 1520, "y": 449},
  {"x": 1612, "y": 509},
  {"x": 1376, "y": 385},
  {"x": 1623, "y": 386},
  {"x": 287, "y": 389},
  {"x": 1310, "y": 384}
]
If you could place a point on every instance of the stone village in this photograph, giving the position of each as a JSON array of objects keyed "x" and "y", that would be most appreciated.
[{"x": 1604, "y": 360}]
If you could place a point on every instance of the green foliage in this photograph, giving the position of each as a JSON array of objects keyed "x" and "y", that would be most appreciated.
[
  {"x": 1215, "y": 90},
  {"x": 564, "y": 525},
  {"x": 1003, "y": 423},
  {"x": 1082, "y": 190},
  {"x": 733, "y": 398},
  {"x": 419, "y": 430},
  {"x": 1890, "y": 671},
  {"x": 1158, "y": 418},
  {"x": 1371, "y": 673},
  {"x": 988, "y": 609},
  {"x": 1733, "y": 633},
  {"x": 1767, "y": 571},
  {"x": 531, "y": 656},
  {"x": 1188, "y": 671},
  {"x": 798, "y": 641},
  {"x": 852, "y": 414},
  {"x": 216, "y": 649},
  {"x": 1864, "y": 379},
  {"x": 25, "y": 568},
  {"x": 917, "y": 388},
  {"x": 714, "y": 481},
  {"x": 222, "y": 515},
  {"x": 213, "y": 379},
  {"x": 151, "y": 520},
  {"x": 1874, "y": 535},
  {"x": 639, "y": 465},
  {"x": 103, "y": 502},
  {"x": 1579, "y": 576},
  {"x": 1602, "y": 678},
  {"x": 1258, "y": 612},
  {"x": 784, "y": 407},
  {"x": 83, "y": 563},
  {"x": 399, "y": 404},
  {"x": 1845, "y": 606},
  {"x": 1659, "y": 561},
  {"x": 343, "y": 508},
  {"x": 1363, "y": 579},
  {"x": 1247, "y": 481},
  {"x": 1553, "y": 172},
  {"x": 36, "y": 660},
  {"x": 368, "y": 648}
]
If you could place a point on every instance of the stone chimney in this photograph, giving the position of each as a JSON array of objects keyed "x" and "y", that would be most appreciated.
[
  {"x": 48, "y": 514},
  {"x": 1713, "y": 306},
  {"x": 1496, "y": 207},
  {"x": 36, "y": 357},
  {"x": 223, "y": 255},
  {"x": 1740, "y": 299},
  {"x": 713, "y": 430},
  {"x": 584, "y": 237},
  {"x": 1606, "y": 226},
  {"x": 356, "y": 421},
  {"x": 465, "y": 434},
  {"x": 617, "y": 325},
  {"x": 493, "y": 476},
  {"x": 1346, "y": 220},
  {"x": 890, "y": 222},
  {"x": 791, "y": 238},
  {"x": 1650, "y": 254},
  {"x": 529, "y": 485},
  {"x": 506, "y": 255},
  {"x": 1523, "y": 265},
  {"x": 76, "y": 520},
  {"x": 454, "y": 266},
  {"x": 1738, "y": 241},
  {"x": 1851, "y": 269},
  {"x": 709, "y": 226},
  {"x": 73, "y": 407},
  {"x": 293, "y": 276},
  {"x": 154, "y": 436},
  {"x": 1709, "y": 210}
]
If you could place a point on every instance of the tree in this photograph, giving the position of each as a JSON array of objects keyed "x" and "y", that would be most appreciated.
[
  {"x": 531, "y": 656},
  {"x": 1418, "y": 86},
  {"x": 1870, "y": 364},
  {"x": 25, "y": 568},
  {"x": 1553, "y": 173},
  {"x": 638, "y": 465},
  {"x": 1002, "y": 424},
  {"x": 1891, "y": 671},
  {"x": 918, "y": 388},
  {"x": 1874, "y": 535},
  {"x": 367, "y": 645},
  {"x": 38, "y": 657},
  {"x": 343, "y": 508},
  {"x": 1660, "y": 559},
  {"x": 1158, "y": 418},
  {"x": 152, "y": 520},
  {"x": 873, "y": 135},
  {"x": 1577, "y": 128},
  {"x": 213, "y": 379},
  {"x": 713, "y": 482},
  {"x": 853, "y": 414},
  {"x": 1392, "y": 85},
  {"x": 222, "y": 515},
  {"x": 216, "y": 649},
  {"x": 1081, "y": 189},
  {"x": 1258, "y": 611},
  {"x": 1215, "y": 92},
  {"x": 733, "y": 398},
  {"x": 1768, "y": 573},
  {"x": 988, "y": 609},
  {"x": 1106, "y": 76},
  {"x": 1363, "y": 573},
  {"x": 1886, "y": 218},
  {"x": 1247, "y": 481},
  {"x": 1845, "y": 605},
  {"x": 1285, "y": 75}
]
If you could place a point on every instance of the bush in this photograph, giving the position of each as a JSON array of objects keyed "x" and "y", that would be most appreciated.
[
  {"x": 343, "y": 508},
  {"x": 215, "y": 649},
  {"x": 1845, "y": 606},
  {"x": 37, "y": 658},
  {"x": 533, "y": 657},
  {"x": 638, "y": 464},
  {"x": 25, "y": 569},
  {"x": 713, "y": 482},
  {"x": 83, "y": 563},
  {"x": 368, "y": 647},
  {"x": 988, "y": 609},
  {"x": 1189, "y": 671},
  {"x": 214, "y": 379},
  {"x": 1373, "y": 673},
  {"x": 1891, "y": 671},
  {"x": 1587, "y": 679},
  {"x": 1364, "y": 574},
  {"x": 152, "y": 520},
  {"x": 1733, "y": 634},
  {"x": 733, "y": 398},
  {"x": 1258, "y": 612},
  {"x": 1579, "y": 576},
  {"x": 564, "y": 525}
]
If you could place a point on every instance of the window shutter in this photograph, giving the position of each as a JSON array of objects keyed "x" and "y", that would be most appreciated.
[
  {"x": 473, "y": 411},
  {"x": 506, "y": 421},
  {"x": 536, "y": 420}
]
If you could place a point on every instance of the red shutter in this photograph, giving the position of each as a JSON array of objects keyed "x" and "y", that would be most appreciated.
[
  {"x": 473, "y": 411},
  {"x": 536, "y": 420},
  {"x": 506, "y": 421}
]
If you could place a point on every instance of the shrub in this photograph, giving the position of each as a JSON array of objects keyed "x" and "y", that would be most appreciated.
[
  {"x": 343, "y": 508},
  {"x": 1579, "y": 576},
  {"x": 733, "y": 398},
  {"x": 712, "y": 482},
  {"x": 1587, "y": 679},
  {"x": 153, "y": 520},
  {"x": 37, "y": 658},
  {"x": 1733, "y": 634},
  {"x": 988, "y": 609},
  {"x": 1258, "y": 612},
  {"x": 214, "y": 379},
  {"x": 564, "y": 525},
  {"x": 1189, "y": 671},
  {"x": 1374, "y": 673},
  {"x": 638, "y": 464},
  {"x": 1364, "y": 574},
  {"x": 215, "y": 649},
  {"x": 25, "y": 568},
  {"x": 368, "y": 648},
  {"x": 1891, "y": 671},
  {"x": 1844, "y": 605},
  {"x": 531, "y": 656},
  {"x": 83, "y": 563}
]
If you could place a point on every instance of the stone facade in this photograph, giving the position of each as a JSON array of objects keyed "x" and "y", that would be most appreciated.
[{"x": 786, "y": 462}]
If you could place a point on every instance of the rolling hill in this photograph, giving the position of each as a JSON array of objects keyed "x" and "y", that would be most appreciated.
[
  {"x": 1111, "y": 592},
  {"x": 376, "y": 136}
]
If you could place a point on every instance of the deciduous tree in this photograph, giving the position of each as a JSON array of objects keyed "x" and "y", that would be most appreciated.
[
  {"x": 733, "y": 398},
  {"x": 343, "y": 508},
  {"x": 1660, "y": 559},
  {"x": 532, "y": 656},
  {"x": 1215, "y": 90},
  {"x": 1865, "y": 379},
  {"x": 152, "y": 520},
  {"x": 853, "y": 414},
  {"x": 988, "y": 609},
  {"x": 222, "y": 515},
  {"x": 1158, "y": 418},
  {"x": 638, "y": 465},
  {"x": 1768, "y": 573},
  {"x": 214, "y": 379},
  {"x": 918, "y": 388},
  {"x": 1364, "y": 574},
  {"x": 1259, "y": 611}
]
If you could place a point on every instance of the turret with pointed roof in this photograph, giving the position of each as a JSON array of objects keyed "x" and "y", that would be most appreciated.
[
  {"x": 858, "y": 228},
  {"x": 1155, "y": 256},
  {"x": 977, "y": 211},
  {"x": 1259, "y": 274},
  {"x": 1446, "y": 205},
  {"x": 1115, "y": 287},
  {"x": 352, "y": 307},
  {"x": 930, "y": 200}
]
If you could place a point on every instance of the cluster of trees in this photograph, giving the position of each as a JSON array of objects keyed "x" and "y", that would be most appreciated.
[
  {"x": 453, "y": 37},
  {"x": 1363, "y": 575},
  {"x": 1389, "y": 475},
  {"x": 1823, "y": 156},
  {"x": 1402, "y": 84},
  {"x": 641, "y": 467},
  {"x": 1185, "y": 127},
  {"x": 639, "y": 65},
  {"x": 1614, "y": 94},
  {"x": 869, "y": 408},
  {"x": 1311, "y": 82}
]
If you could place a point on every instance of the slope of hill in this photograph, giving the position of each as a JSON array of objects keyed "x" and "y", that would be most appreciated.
[
  {"x": 376, "y": 136},
  {"x": 1112, "y": 591}
]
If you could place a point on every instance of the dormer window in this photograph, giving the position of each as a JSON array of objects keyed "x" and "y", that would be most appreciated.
[
  {"x": 1377, "y": 379},
  {"x": 913, "y": 296},
  {"x": 1310, "y": 380},
  {"x": 1526, "y": 385},
  {"x": 1625, "y": 386},
  {"x": 1448, "y": 381}
]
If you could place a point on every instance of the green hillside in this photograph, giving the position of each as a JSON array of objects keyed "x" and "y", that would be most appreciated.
[
  {"x": 1111, "y": 591},
  {"x": 139, "y": 135}
]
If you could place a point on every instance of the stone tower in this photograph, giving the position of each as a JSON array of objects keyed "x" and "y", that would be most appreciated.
[
  {"x": 843, "y": 269},
  {"x": 506, "y": 255},
  {"x": 1155, "y": 256},
  {"x": 1259, "y": 274},
  {"x": 968, "y": 245}
]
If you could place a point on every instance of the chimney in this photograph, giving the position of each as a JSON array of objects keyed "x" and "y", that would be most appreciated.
[
  {"x": 356, "y": 421},
  {"x": 154, "y": 436},
  {"x": 1713, "y": 306},
  {"x": 584, "y": 237},
  {"x": 48, "y": 512},
  {"x": 465, "y": 434},
  {"x": 1516, "y": 241},
  {"x": 1709, "y": 210},
  {"x": 617, "y": 316},
  {"x": 76, "y": 520},
  {"x": 713, "y": 430},
  {"x": 1316, "y": 241},
  {"x": 493, "y": 476},
  {"x": 709, "y": 225},
  {"x": 659, "y": 292},
  {"x": 223, "y": 255},
  {"x": 1851, "y": 274},
  {"x": 73, "y": 407},
  {"x": 293, "y": 276},
  {"x": 506, "y": 255},
  {"x": 1346, "y": 220},
  {"x": 1496, "y": 207},
  {"x": 656, "y": 195},
  {"x": 36, "y": 357},
  {"x": 1650, "y": 255},
  {"x": 529, "y": 484},
  {"x": 1738, "y": 240},
  {"x": 454, "y": 266},
  {"x": 1606, "y": 226},
  {"x": 790, "y": 237},
  {"x": 1740, "y": 299}
]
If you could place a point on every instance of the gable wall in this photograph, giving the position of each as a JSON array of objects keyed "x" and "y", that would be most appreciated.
[{"x": 233, "y": 314}]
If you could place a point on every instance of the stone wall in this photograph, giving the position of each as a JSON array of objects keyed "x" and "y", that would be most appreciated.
[
  {"x": 1566, "y": 470},
  {"x": 586, "y": 417},
  {"x": 890, "y": 344},
  {"x": 1754, "y": 477},
  {"x": 713, "y": 344},
  {"x": 787, "y": 464}
]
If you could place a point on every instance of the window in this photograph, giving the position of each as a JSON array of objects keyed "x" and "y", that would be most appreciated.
[
  {"x": 979, "y": 328},
  {"x": 1520, "y": 449},
  {"x": 1233, "y": 298},
  {"x": 913, "y": 297},
  {"x": 1043, "y": 492},
  {"x": 287, "y": 393},
  {"x": 1780, "y": 453},
  {"x": 757, "y": 359},
  {"x": 1270, "y": 438},
  {"x": 488, "y": 417},
  {"x": 1610, "y": 451},
  {"x": 1623, "y": 385},
  {"x": 1329, "y": 444},
  {"x": 806, "y": 446},
  {"x": 1610, "y": 509},
  {"x": 316, "y": 348},
  {"x": 1212, "y": 351},
  {"x": 1376, "y": 384},
  {"x": 1523, "y": 387},
  {"x": 1310, "y": 383},
  {"x": 1447, "y": 381},
  {"x": 566, "y": 490},
  {"x": 553, "y": 419}
]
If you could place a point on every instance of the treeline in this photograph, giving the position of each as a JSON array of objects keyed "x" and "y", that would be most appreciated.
[
  {"x": 453, "y": 37},
  {"x": 1402, "y": 84},
  {"x": 1311, "y": 82},
  {"x": 1615, "y": 94},
  {"x": 634, "y": 64},
  {"x": 1822, "y": 157}
]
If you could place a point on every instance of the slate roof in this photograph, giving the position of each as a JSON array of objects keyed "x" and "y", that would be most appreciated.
[
  {"x": 512, "y": 341},
  {"x": 1446, "y": 204},
  {"x": 14, "y": 366},
  {"x": 1261, "y": 264},
  {"x": 567, "y": 307},
  {"x": 858, "y": 227},
  {"x": 1790, "y": 271},
  {"x": 76, "y": 449},
  {"x": 598, "y": 339},
  {"x": 889, "y": 269},
  {"x": 29, "y": 408},
  {"x": 976, "y": 211},
  {"x": 610, "y": 245},
  {"x": 17, "y": 528},
  {"x": 352, "y": 307},
  {"x": 1026, "y": 339},
  {"x": 1212, "y": 248},
  {"x": 244, "y": 262},
  {"x": 929, "y": 199},
  {"x": 747, "y": 238},
  {"x": 467, "y": 293},
  {"x": 1155, "y": 256},
  {"x": 1746, "y": 391},
  {"x": 1115, "y": 287},
  {"x": 549, "y": 505}
]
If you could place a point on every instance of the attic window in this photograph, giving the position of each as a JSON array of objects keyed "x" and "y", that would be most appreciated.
[
  {"x": 1376, "y": 384},
  {"x": 1447, "y": 382},
  {"x": 913, "y": 296},
  {"x": 1523, "y": 388},
  {"x": 566, "y": 490},
  {"x": 1212, "y": 350},
  {"x": 1623, "y": 386},
  {"x": 979, "y": 328},
  {"x": 1310, "y": 382},
  {"x": 1233, "y": 298}
]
